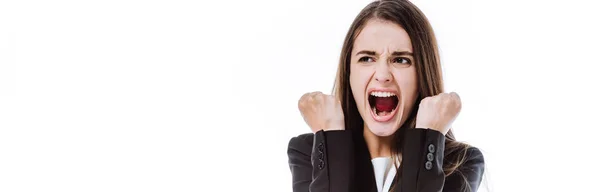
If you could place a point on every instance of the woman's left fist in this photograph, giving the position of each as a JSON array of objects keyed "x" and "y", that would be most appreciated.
[{"x": 438, "y": 112}]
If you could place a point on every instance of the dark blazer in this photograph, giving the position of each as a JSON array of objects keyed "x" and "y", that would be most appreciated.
[{"x": 339, "y": 161}]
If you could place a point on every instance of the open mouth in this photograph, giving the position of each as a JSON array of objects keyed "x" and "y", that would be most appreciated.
[{"x": 383, "y": 105}]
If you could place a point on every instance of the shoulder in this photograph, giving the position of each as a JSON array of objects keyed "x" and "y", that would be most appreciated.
[
  {"x": 459, "y": 150},
  {"x": 466, "y": 156},
  {"x": 474, "y": 154},
  {"x": 301, "y": 144},
  {"x": 469, "y": 170},
  {"x": 466, "y": 159}
]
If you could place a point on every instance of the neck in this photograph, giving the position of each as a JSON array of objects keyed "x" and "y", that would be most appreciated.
[{"x": 378, "y": 146}]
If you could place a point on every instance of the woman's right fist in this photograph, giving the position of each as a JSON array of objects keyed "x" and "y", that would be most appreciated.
[{"x": 321, "y": 111}]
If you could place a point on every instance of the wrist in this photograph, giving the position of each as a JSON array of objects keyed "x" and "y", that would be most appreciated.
[
  {"x": 335, "y": 128},
  {"x": 442, "y": 131},
  {"x": 423, "y": 126}
]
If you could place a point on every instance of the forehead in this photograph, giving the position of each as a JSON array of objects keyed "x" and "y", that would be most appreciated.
[{"x": 382, "y": 36}]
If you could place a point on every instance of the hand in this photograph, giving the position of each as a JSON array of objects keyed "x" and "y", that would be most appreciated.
[
  {"x": 438, "y": 112},
  {"x": 321, "y": 111}
]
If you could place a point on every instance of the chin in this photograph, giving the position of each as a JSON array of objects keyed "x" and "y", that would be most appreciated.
[{"x": 383, "y": 129}]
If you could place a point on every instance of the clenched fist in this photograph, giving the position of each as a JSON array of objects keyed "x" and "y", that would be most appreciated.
[
  {"x": 438, "y": 112},
  {"x": 321, "y": 111}
]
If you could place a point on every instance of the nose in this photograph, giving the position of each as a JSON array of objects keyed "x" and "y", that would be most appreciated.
[{"x": 383, "y": 73}]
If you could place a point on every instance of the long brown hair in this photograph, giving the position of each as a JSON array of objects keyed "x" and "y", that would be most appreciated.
[{"x": 427, "y": 64}]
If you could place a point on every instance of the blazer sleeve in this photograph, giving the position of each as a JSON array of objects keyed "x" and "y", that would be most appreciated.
[
  {"x": 322, "y": 162},
  {"x": 423, "y": 165}
]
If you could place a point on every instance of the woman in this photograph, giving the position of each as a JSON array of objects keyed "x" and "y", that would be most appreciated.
[{"x": 387, "y": 126}]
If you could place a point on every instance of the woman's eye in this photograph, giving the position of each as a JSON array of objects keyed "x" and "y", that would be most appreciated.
[
  {"x": 365, "y": 59},
  {"x": 401, "y": 60}
]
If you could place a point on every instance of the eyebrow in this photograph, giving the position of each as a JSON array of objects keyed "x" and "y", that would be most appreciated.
[{"x": 395, "y": 53}]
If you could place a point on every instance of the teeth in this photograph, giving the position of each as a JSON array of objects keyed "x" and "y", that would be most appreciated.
[{"x": 382, "y": 94}]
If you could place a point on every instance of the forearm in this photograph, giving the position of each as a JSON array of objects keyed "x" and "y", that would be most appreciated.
[
  {"x": 423, "y": 157},
  {"x": 423, "y": 160},
  {"x": 333, "y": 161},
  {"x": 323, "y": 162}
]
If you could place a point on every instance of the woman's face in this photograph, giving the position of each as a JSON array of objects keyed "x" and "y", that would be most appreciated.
[{"x": 383, "y": 77}]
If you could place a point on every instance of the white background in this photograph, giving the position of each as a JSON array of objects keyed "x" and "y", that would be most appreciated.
[{"x": 202, "y": 96}]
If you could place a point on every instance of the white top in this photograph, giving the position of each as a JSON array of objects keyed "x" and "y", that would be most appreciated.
[{"x": 384, "y": 173}]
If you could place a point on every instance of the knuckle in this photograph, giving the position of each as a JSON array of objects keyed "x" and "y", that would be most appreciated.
[
  {"x": 317, "y": 93},
  {"x": 303, "y": 97},
  {"x": 302, "y": 100},
  {"x": 318, "y": 97},
  {"x": 424, "y": 101},
  {"x": 454, "y": 94},
  {"x": 331, "y": 98}
]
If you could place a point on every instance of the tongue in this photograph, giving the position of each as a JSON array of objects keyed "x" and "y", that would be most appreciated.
[{"x": 384, "y": 103}]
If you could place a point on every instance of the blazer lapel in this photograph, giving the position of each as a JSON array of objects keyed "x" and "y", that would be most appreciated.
[
  {"x": 394, "y": 183},
  {"x": 364, "y": 176}
]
